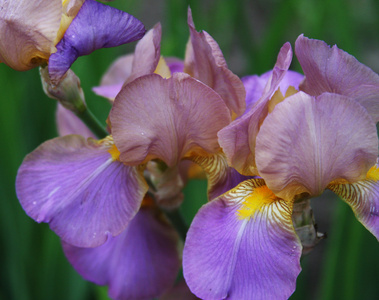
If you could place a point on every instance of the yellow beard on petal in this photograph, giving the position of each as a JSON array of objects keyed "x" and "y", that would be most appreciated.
[
  {"x": 373, "y": 173},
  {"x": 260, "y": 197},
  {"x": 114, "y": 152}
]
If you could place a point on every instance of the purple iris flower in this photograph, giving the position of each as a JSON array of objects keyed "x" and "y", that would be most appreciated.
[
  {"x": 243, "y": 244},
  {"x": 55, "y": 32}
]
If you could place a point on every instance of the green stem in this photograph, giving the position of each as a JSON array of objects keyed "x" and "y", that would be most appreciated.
[
  {"x": 92, "y": 123},
  {"x": 178, "y": 222}
]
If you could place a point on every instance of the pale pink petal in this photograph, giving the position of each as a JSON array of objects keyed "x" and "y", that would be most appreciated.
[
  {"x": 140, "y": 263},
  {"x": 306, "y": 143},
  {"x": 205, "y": 61},
  {"x": 78, "y": 188},
  {"x": 334, "y": 70},
  {"x": 27, "y": 31},
  {"x": 238, "y": 139},
  {"x": 226, "y": 257},
  {"x": 161, "y": 118}
]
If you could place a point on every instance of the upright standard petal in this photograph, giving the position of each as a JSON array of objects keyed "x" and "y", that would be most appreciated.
[
  {"x": 238, "y": 139},
  {"x": 319, "y": 140},
  {"x": 27, "y": 31},
  {"x": 205, "y": 61},
  {"x": 95, "y": 26},
  {"x": 334, "y": 70},
  {"x": 140, "y": 263},
  {"x": 243, "y": 246},
  {"x": 79, "y": 188},
  {"x": 166, "y": 119},
  {"x": 363, "y": 197}
]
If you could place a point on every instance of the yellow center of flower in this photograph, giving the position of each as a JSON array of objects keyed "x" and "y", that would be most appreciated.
[
  {"x": 373, "y": 173},
  {"x": 278, "y": 97},
  {"x": 260, "y": 197},
  {"x": 113, "y": 151}
]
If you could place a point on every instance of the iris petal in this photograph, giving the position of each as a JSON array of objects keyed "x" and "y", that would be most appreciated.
[
  {"x": 184, "y": 113},
  {"x": 363, "y": 197},
  {"x": 334, "y": 70},
  {"x": 95, "y": 26},
  {"x": 205, "y": 61},
  {"x": 79, "y": 189},
  {"x": 238, "y": 139},
  {"x": 251, "y": 258},
  {"x": 318, "y": 141},
  {"x": 140, "y": 263}
]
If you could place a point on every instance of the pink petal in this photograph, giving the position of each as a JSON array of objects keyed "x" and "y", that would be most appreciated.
[
  {"x": 161, "y": 118},
  {"x": 205, "y": 61},
  {"x": 334, "y": 70},
  {"x": 238, "y": 139},
  {"x": 226, "y": 257},
  {"x": 318, "y": 141},
  {"x": 79, "y": 189},
  {"x": 27, "y": 32},
  {"x": 140, "y": 263}
]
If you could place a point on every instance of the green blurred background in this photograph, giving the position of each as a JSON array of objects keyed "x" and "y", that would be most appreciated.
[{"x": 250, "y": 33}]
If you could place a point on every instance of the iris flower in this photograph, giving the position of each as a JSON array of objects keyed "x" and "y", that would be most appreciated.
[
  {"x": 57, "y": 32},
  {"x": 243, "y": 244}
]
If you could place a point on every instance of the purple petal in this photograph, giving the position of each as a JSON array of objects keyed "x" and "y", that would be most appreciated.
[
  {"x": 363, "y": 197},
  {"x": 77, "y": 187},
  {"x": 161, "y": 118},
  {"x": 255, "y": 85},
  {"x": 328, "y": 138},
  {"x": 238, "y": 139},
  {"x": 69, "y": 123},
  {"x": 254, "y": 258},
  {"x": 95, "y": 26},
  {"x": 333, "y": 70},
  {"x": 28, "y": 30},
  {"x": 140, "y": 263},
  {"x": 205, "y": 61}
]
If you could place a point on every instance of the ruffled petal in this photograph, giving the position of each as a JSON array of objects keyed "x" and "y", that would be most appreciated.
[
  {"x": 318, "y": 141},
  {"x": 167, "y": 119},
  {"x": 79, "y": 189},
  {"x": 257, "y": 257},
  {"x": 69, "y": 123},
  {"x": 95, "y": 26},
  {"x": 334, "y": 70},
  {"x": 255, "y": 85},
  {"x": 363, "y": 197},
  {"x": 27, "y": 31},
  {"x": 238, "y": 139},
  {"x": 140, "y": 263},
  {"x": 205, "y": 61}
]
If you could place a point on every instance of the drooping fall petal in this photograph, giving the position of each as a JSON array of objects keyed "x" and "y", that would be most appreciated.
[
  {"x": 238, "y": 139},
  {"x": 79, "y": 189},
  {"x": 140, "y": 263},
  {"x": 27, "y": 31},
  {"x": 243, "y": 246},
  {"x": 167, "y": 119},
  {"x": 95, "y": 26},
  {"x": 319, "y": 140},
  {"x": 334, "y": 70},
  {"x": 205, "y": 61},
  {"x": 363, "y": 197}
]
